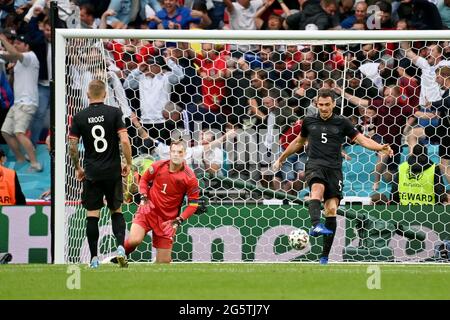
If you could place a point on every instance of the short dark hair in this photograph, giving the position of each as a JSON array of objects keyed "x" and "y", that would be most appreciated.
[
  {"x": 325, "y": 93},
  {"x": 384, "y": 6}
]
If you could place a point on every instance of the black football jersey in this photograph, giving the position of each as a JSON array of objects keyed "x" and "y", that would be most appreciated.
[
  {"x": 325, "y": 139},
  {"x": 98, "y": 126}
]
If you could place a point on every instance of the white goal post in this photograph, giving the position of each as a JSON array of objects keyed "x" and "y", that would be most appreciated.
[{"x": 211, "y": 36}]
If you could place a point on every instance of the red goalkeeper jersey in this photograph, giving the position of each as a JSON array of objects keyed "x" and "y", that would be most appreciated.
[{"x": 166, "y": 189}]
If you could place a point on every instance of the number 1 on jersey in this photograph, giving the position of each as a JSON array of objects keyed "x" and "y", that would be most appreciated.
[{"x": 164, "y": 188}]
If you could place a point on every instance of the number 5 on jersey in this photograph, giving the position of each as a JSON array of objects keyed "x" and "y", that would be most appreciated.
[{"x": 324, "y": 137}]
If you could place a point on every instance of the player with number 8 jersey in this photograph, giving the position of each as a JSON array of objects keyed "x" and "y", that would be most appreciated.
[
  {"x": 99, "y": 125},
  {"x": 102, "y": 129}
]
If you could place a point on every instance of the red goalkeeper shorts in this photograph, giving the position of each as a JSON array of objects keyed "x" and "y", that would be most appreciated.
[{"x": 148, "y": 219}]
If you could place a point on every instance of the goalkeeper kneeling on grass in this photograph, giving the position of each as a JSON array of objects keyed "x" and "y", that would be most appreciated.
[{"x": 162, "y": 188}]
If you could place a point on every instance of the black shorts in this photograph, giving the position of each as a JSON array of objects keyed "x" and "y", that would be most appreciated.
[
  {"x": 94, "y": 191},
  {"x": 332, "y": 179}
]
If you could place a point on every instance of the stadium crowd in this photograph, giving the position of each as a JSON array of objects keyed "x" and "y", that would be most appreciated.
[{"x": 396, "y": 93}]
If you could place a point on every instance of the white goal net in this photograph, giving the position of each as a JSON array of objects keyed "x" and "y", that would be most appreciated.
[{"x": 238, "y": 100}]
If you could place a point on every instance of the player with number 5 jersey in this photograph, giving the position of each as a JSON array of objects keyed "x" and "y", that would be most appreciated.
[
  {"x": 101, "y": 129},
  {"x": 325, "y": 133}
]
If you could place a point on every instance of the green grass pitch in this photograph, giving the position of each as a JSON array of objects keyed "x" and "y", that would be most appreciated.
[{"x": 224, "y": 281}]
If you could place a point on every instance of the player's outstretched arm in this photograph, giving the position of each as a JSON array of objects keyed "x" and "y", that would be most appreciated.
[
  {"x": 293, "y": 147},
  {"x": 368, "y": 143}
]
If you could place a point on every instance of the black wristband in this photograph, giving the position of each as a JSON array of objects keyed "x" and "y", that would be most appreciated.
[{"x": 178, "y": 220}]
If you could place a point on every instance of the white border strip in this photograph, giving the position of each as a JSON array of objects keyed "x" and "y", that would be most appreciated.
[
  {"x": 254, "y": 35},
  {"x": 60, "y": 147}
]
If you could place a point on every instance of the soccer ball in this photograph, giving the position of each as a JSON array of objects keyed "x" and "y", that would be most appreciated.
[{"x": 298, "y": 239}]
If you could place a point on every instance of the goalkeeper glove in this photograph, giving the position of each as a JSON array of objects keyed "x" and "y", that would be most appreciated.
[
  {"x": 145, "y": 200},
  {"x": 146, "y": 205},
  {"x": 170, "y": 226}
]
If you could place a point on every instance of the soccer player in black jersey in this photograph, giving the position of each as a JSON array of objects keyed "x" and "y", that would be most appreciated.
[
  {"x": 102, "y": 129},
  {"x": 325, "y": 133}
]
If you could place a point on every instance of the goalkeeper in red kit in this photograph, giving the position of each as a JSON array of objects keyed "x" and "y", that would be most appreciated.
[{"x": 162, "y": 188}]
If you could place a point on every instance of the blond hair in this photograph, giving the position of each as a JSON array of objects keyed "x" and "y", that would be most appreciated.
[{"x": 96, "y": 89}]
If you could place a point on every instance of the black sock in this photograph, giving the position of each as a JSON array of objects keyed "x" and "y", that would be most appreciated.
[
  {"x": 314, "y": 211},
  {"x": 330, "y": 223},
  {"x": 118, "y": 226},
  {"x": 92, "y": 234}
]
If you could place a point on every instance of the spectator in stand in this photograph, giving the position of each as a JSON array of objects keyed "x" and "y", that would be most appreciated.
[
  {"x": 87, "y": 16},
  {"x": 420, "y": 14},
  {"x": 367, "y": 124},
  {"x": 274, "y": 21},
  {"x": 100, "y": 6},
  {"x": 291, "y": 176},
  {"x": 430, "y": 89},
  {"x": 345, "y": 9},
  {"x": 440, "y": 131},
  {"x": 213, "y": 72},
  {"x": 42, "y": 47},
  {"x": 122, "y": 10},
  {"x": 444, "y": 10},
  {"x": 380, "y": 73},
  {"x": 148, "y": 8},
  {"x": 262, "y": 60},
  {"x": 155, "y": 86},
  {"x": 187, "y": 91},
  {"x": 260, "y": 85},
  {"x": 199, "y": 11},
  {"x": 107, "y": 23},
  {"x": 360, "y": 16},
  {"x": 322, "y": 15},
  {"x": 26, "y": 97},
  {"x": 216, "y": 12},
  {"x": 243, "y": 13},
  {"x": 385, "y": 15},
  {"x": 402, "y": 24},
  {"x": 391, "y": 121},
  {"x": 172, "y": 16}
]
